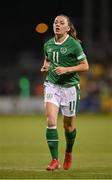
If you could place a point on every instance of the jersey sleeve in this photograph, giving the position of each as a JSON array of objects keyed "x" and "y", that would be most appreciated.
[
  {"x": 79, "y": 53},
  {"x": 45, "y": 50}
]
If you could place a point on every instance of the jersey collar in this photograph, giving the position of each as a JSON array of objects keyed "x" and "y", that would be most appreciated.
[{"x": 59, "y": 43}]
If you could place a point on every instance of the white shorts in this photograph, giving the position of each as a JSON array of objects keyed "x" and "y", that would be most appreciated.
[{"x": 65, "y": 98}]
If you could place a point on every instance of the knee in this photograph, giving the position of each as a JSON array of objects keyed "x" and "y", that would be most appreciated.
[
  {"x": 69, "y": 123},
  {"x": 51, "y": 121},
  {"x": 68, "y": 128}
]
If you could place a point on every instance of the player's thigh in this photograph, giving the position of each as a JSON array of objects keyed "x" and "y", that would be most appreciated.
[
  {"x": 51, "y": 111},
  {"x": 51, "y": 94}
]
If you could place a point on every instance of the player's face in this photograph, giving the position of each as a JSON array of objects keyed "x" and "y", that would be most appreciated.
[{"x": 60, "y": 25}]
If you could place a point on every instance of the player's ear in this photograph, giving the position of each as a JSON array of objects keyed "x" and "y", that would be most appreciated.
[{"x": 68, "y": 28}]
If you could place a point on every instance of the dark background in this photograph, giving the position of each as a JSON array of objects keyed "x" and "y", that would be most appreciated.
[{"x": 18, "y": 21}]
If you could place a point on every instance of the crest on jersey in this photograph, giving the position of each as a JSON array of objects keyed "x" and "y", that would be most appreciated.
[{"x": 63, "y": 50}]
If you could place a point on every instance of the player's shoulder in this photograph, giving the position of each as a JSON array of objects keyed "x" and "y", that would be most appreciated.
[
  {"x": 49, "y": 41},
  {"x": 74, "y": 41}
]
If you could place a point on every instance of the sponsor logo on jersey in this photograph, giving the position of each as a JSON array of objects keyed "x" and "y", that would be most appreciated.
[{"x": 63, "y": 50}]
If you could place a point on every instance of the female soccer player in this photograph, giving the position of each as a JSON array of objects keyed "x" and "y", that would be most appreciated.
[{"x": 64, "y": 59}]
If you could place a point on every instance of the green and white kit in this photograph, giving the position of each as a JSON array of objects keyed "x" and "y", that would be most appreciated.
[{"x": 63, "y": 90}]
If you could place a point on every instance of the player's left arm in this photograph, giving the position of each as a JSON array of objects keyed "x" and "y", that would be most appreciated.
[{"x": 82, "y": 66}]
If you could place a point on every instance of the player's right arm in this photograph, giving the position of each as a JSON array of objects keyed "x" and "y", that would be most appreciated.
[{"x": 45, "y": 66}]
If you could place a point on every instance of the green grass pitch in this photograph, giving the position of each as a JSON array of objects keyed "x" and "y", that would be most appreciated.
[{"x": 24, "y": 153}]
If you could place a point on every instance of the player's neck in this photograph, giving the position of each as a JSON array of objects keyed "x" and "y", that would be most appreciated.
[{"x": 61, "y": 38}]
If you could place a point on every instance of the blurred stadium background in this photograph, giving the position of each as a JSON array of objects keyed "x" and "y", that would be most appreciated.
[
  {"x": 21, "y": 52},
  {"x": 23, "y": 149}
]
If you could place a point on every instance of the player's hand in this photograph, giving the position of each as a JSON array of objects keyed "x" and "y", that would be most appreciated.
[{"x": 60, "y": 70}]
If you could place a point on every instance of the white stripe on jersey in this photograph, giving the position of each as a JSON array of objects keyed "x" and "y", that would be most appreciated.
[{"x": 81, "y": 56}]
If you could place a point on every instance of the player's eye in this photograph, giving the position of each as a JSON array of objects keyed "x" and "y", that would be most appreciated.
[
  {"x": 62, "y": 23},
  {"x": 55, "y": 22}
]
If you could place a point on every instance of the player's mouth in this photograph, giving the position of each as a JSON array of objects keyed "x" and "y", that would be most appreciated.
[{"x": 57, "y": 29}]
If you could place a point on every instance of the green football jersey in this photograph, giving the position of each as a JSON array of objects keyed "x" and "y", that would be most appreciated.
[{"x": 65, "y": 54}]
